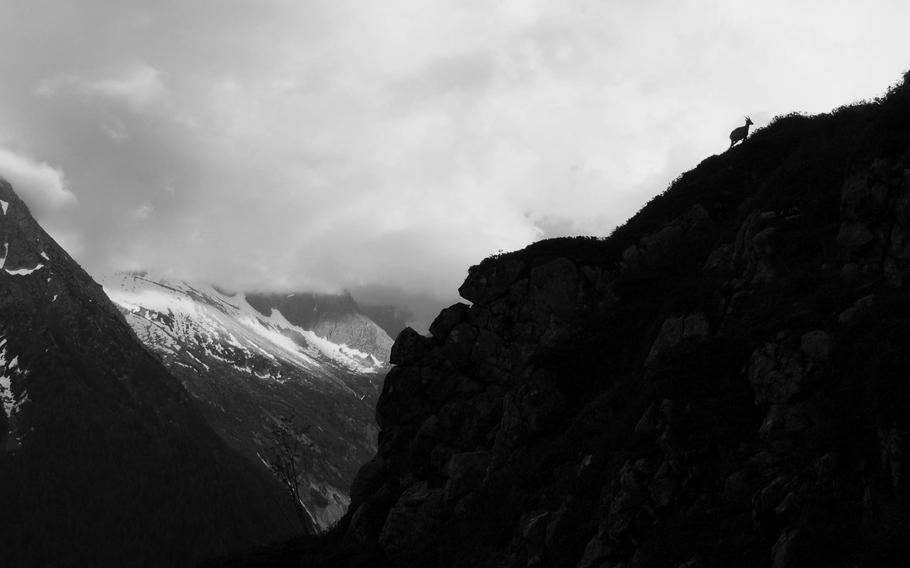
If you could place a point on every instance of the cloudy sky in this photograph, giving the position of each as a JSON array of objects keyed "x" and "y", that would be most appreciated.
[{"x": 311, "y": 144}]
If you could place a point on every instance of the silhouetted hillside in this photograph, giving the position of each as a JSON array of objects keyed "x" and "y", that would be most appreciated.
[{"x": 721, "y": 382}]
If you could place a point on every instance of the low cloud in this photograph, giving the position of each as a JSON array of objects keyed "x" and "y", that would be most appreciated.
[
  {"x": 142, "y": 212},
  {"x": 138, "y": 86},
  {"x": 39, "y": 184}
]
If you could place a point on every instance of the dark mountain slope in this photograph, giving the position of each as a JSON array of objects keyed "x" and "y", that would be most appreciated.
[
  {"x": 721, "y": 382},
  {"x": 105, "y": 460}
]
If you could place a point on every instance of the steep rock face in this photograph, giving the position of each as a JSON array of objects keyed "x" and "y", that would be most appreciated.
[
  {"x": 104, "y": 459},
  {"x": 720, "y": 382},
  {"x": 248, "y": 370}
]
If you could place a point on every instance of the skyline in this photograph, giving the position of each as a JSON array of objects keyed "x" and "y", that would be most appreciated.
[{"x": 331, "y": 145}]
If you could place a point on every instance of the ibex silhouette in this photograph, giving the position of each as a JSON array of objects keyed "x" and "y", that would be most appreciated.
[{"x": 740, "y": 133}]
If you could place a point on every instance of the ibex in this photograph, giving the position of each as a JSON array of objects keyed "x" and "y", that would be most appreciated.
[{"x": 740, "y": 133}]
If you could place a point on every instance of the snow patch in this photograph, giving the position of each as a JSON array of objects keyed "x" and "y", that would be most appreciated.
[
  {"x": 5, "y": 254},
  {"x": 4, "y": 205},
  {"x": 44, "y": 256},
  {"x": 24, "y": 271}
]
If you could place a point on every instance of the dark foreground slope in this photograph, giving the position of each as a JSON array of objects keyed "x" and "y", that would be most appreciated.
[
  {"x": 721, "y": 382},
  {"x": 104, "y": 461}
]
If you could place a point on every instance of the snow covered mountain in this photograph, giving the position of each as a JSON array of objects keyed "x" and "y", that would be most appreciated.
[
  {"x": 248, "y": 365},
  {"x": 336, "y": 317}
]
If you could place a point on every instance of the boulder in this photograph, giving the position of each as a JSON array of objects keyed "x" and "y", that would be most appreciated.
[
  {"x": 409, "y": 532},
  {"x": 465, "y": 472},
  {"x": 676, "y": 330},
  {"x": 409, "y": 347},
  {"x": 448, "y": 319},
  {"x": 490, "y": 280}
]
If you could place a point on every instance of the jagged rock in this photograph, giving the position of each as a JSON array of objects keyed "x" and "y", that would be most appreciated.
[
  {"x": 488, "y": 281},
  {"x": 533, "y": 409},
  {"x": 658, "y": 247},
  {"x": 369, "y": 478},
  {"x": 788, "y": 509},
  {"x": 752, "y": 251},
  {"x": 694, "y": 562},
  {"x": 555, "y": 289},
  {"x": 403, "y": 381},
  {"x": 786, "y": 419},
  {"x": 861, "y": 206},
  {"x": 409, "y": 347},
  {"x": 854, "y": 234},
  {"x": 541, "y": 405},
  {"x": 487, "y": 348},
  {"x": 408, "y": 533},
  {"x": 448, "y": 319},
  {"x": 662, "y": 487},
  {"x": 459, "y": 344},
  {"x": 533, "y": 530},
  {"x": 776, "y": 374},
  {"x": 631, "y": 259},
  {"x": 719, "y": 259},
  {"x": 646, "y": 422},
  {"x": 466, "y": 472},
  {"x": 772, "y": 494},
  {"x": 895, "y": 452},
  {"x": 874, "y": 227},
  {"x": 735, "y": 488},
  {"x": 426, "y": 438},
  {"x": 664, "y": 242},
  {"x": 397, "y": 405},
  {"x": 359, "y": 529},
  {"x": 849, "y": 315},
  {"x": 674, "y": 331},
  {"x": 782, "y": 554},
  {"x": 816, "y": 346},
  {"x": 599, "y": 552}
]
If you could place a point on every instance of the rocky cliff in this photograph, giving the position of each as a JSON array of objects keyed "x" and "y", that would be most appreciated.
[{"x": 721, "y": 382}]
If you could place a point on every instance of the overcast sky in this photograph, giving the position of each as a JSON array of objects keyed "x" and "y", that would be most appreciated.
[{"x": 305, "y": 144}]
